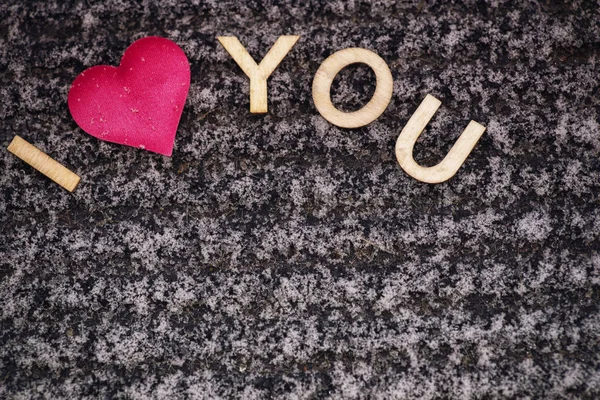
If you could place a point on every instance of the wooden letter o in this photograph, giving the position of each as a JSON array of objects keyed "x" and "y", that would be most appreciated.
[{"x": 321, "y": 88}]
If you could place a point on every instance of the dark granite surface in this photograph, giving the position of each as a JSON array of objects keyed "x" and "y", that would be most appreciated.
[{"x": 280, "y": 256}]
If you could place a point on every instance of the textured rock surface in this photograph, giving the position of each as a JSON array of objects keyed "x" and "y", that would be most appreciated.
[{"x": 278, "y": 255}]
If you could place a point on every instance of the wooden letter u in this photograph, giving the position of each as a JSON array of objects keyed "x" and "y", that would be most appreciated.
[{"x": 453, "y": 160}]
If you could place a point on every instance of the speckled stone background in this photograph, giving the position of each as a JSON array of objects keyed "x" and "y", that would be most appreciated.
[{"x": 280, "y": 256}]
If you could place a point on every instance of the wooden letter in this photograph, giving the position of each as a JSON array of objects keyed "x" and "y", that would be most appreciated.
[
  {"x": 453, "y": 160},
  {"x": 331, "y": 67},
  {"x": 258, "y": 74},
  {"x": 43, "y": 163}
]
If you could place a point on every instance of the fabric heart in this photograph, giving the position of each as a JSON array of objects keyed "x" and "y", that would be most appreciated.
[{"x": 140, "y": 102}]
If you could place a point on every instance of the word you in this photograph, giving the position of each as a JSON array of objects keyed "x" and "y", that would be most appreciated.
[
  {"x": 321, "y": 92},
  {"x": 140, "y": 102}
]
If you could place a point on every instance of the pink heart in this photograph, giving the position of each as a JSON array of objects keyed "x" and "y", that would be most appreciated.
[{"x": 140, "y": 102}]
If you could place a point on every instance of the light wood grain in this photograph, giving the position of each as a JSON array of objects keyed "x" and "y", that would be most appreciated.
[
  {"x": 43, "y": 163},
  {"x": 453, "y": 160},
  {"x": 321, "y": 88},
  {"x": 258, "y": 73}
]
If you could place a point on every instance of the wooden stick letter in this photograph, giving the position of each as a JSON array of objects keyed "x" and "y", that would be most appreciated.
[
  {"x": 453, "y": 160},
  {"x": 43, "y": 163},
  {"x": 258, "y": 74}
]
